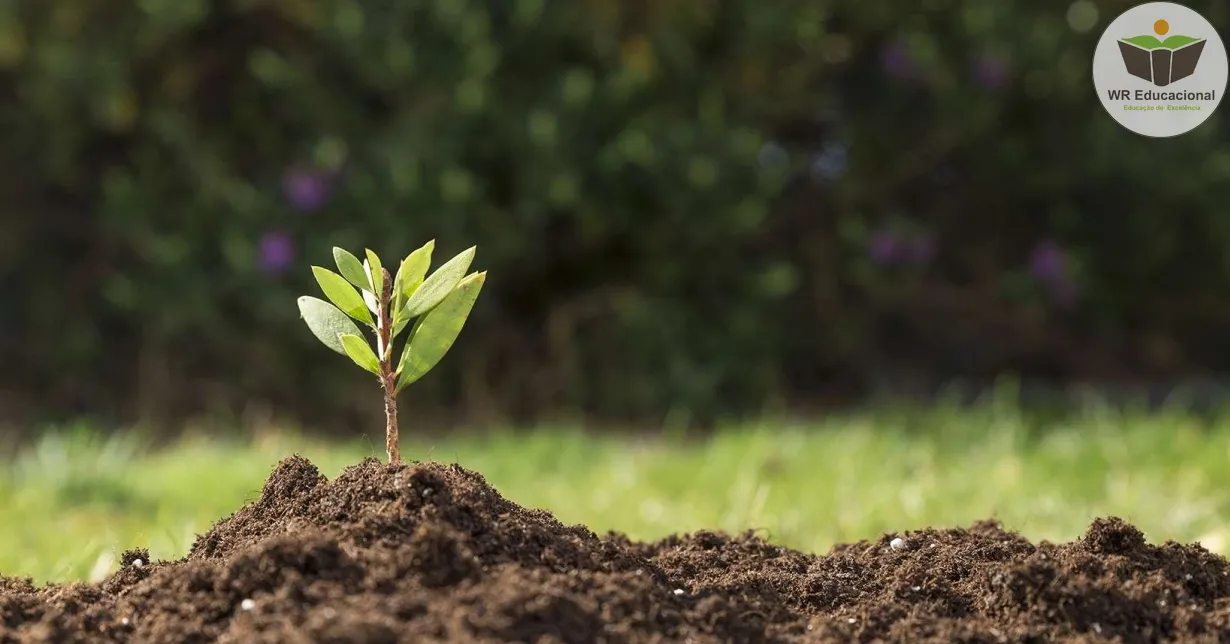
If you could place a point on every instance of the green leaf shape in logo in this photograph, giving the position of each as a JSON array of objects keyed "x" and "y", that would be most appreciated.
[{"x": 1149, "y": 41}]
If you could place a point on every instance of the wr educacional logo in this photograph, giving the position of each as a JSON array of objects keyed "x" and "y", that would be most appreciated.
[
  {"x": 1158, "y": 61},
  {"x": 1160, "y": 69}
]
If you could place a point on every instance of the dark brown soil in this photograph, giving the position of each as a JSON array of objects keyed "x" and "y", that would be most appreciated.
[{"x": 431, "y": 553}]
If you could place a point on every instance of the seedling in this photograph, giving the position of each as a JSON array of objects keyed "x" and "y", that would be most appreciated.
[{"x": 365, "y": 292}]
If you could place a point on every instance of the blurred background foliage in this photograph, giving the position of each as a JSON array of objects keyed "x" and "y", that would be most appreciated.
[{"x": 704, "y": 207}]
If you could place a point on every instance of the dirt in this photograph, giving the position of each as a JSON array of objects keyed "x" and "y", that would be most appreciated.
[{"x": 431, "y": 553}]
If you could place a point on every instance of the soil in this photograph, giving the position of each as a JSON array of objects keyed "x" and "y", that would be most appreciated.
[{"x": 425, "y": 552}]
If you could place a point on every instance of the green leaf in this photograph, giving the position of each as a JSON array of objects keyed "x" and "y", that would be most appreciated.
[
  {"x": 326, "y": 321},
  {"x": 433, "y": 335},
  {"x": 342, "y": 294},
  {"x": 409, "y": 278},
  {"x": 361, "y": 352},
  {"x": 412, "y": 270},
  {"x": 350, "y": 267},
  {"x": 399, "y": 302},
  {"x": 440, "y": 284},
  {"x": 400, "y": 320},
  {"x": 376, "y": 273}
]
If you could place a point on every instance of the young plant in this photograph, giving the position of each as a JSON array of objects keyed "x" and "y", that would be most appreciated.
[{"x": 365, "y": 292}]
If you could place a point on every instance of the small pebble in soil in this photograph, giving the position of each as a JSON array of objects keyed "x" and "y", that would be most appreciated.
[
  {"x": 124, "y": 621},
  {"x": 678, "y": 591},
  {"x": 247, "y": 604},
  {"x": 850, "y": 620},
  {"x": 897, "y": 544},
  {"x": 137, "y": 563}
]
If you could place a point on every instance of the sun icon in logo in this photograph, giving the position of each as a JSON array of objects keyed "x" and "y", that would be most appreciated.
[{"x": 1161, "y": 27}]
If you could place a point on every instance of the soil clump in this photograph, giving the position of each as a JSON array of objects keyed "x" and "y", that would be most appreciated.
[{"x": 427, "y": 552}]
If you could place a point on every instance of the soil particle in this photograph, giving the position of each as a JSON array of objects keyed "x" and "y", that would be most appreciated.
[{"x": 426, "y": 552}]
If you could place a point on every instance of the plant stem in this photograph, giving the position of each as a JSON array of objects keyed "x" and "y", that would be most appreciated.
[{"x": 388, "y": 376}]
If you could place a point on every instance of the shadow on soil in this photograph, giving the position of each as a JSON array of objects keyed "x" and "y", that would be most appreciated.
[{"x": 431, "y": 553}]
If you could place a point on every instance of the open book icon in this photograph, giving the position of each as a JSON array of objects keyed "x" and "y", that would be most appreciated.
[{"x": 1161, "y": 62}]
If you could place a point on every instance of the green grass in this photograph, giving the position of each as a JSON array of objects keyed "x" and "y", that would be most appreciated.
[{"x": 70, "y": 504}]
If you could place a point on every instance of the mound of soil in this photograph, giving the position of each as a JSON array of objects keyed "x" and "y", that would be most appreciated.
[{"x": 431, "y": 553}]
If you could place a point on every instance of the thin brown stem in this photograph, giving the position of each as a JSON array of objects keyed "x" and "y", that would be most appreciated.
[{"x": 388, "y": 375}]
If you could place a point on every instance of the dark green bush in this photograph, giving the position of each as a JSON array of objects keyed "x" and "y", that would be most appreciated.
[{"x": 684, "y": 205}]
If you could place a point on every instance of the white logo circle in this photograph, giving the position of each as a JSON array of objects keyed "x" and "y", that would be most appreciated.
[{"x": 1160, "y": 69}]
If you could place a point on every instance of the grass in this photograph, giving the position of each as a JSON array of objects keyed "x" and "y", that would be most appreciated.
[{"x": 72, "y": 502}]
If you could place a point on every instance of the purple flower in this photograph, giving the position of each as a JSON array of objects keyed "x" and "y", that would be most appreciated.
[
  {"x": 307, "y": 189},
  {"x": 884, "y": 247},
  {"x": 1048, "y": 264},
  {"x": 276, "y": 251},
  {"x": 896, "y": 61},
  {"x": 990, "y": 71}
]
